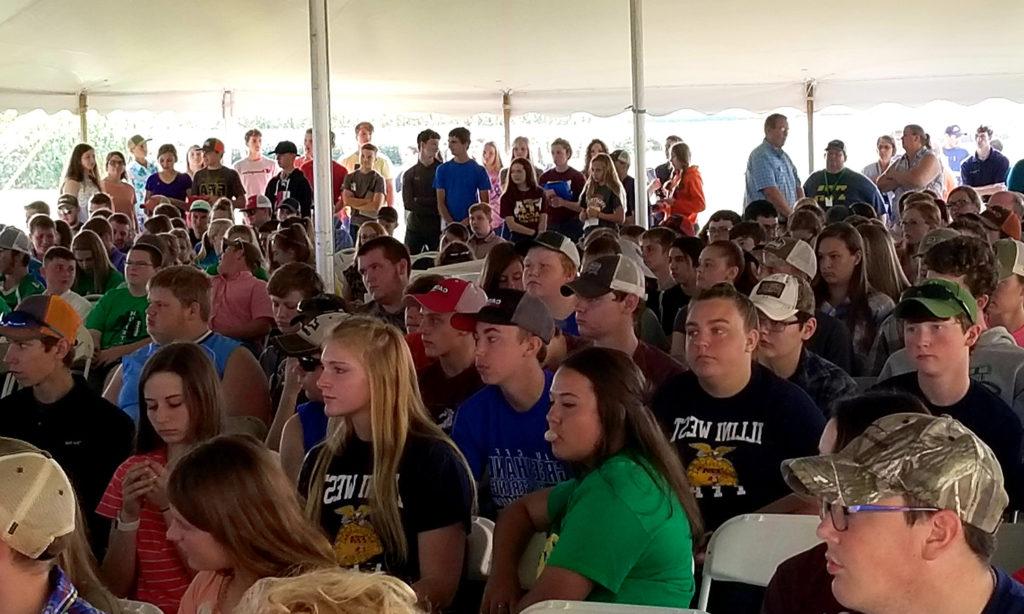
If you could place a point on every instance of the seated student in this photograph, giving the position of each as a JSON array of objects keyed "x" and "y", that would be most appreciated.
[
  {"x": 43, "y": 234},
  {"x": 40, "y": 510},
  {"x": 454, "y": 253},
  {"x": 96, "y": 274},
  {"x": 944, "y": 513},
  {"x": 59, "y": 274},
  {"x": 551, "y": 261},
  {"x": 387, "y": 217},
  {"x": 330, "y": 591},
  {"x": 719, "y": 262},
  {"x": 300, "y": 423},
  {"x": 940, "y": 321},
  {"x": 785, "y": 305},
  {"x": 451, "y": 377},
  {"x": 236, "y": 519},
  {"x": 503, "y": 269},
  {"x": 249, "y": 235},
  {"x": 58, "y": 411},
  {"x": 802, "y": 584},
  {"x": 748, "y": 235},
  {"x": 608, "y": 294},
  {"x": 68, "y": 209},
  {"x": 422, "y": 493},
  {"x": 624, "y": 531},
  {"x": 289, "y": 285},
  {"x": 179, "y": 310},
  {"x": 732, "y": 420},
  {"x": 183, "y": 408},
  {"x": 38, "y": 207},
  {"x": 483, "y": 237},
  {"x": 524, "y": 206},
  {"x": 16, "y": 283},
  {"x": 414, "y": 317},
  {"x": 1006, "y": 307},
  {"x": 665, "y": 296},
  {"x": 500, "y": 429},
  {"x": 103, "y": 229},
  {"x": 241, "y": 307},
  {"x": 805, "y": 225},
  {"x": 683, "y": 259},
  {"x": 454, "y": 233},
  {"x": 118, "y": 321},
  {"x": 384, "y": 265}
]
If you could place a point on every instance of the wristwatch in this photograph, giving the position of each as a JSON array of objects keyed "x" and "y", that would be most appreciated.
[{"x": 125, "y": 527}]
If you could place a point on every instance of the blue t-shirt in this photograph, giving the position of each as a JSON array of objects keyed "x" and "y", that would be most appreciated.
[
  {"x": 505, "y": 449},
  {"x": 569, "y": 325},
  {"x": 176, "y": 189},
  {"x": 843, "y": 188},
  {"x": 1008, "y": 598},
  {"x": 462, "y": 183},
  {"x": 1015, "y": 180},
  {"x": 314, "y": 424},
  {"x": 978, "y": 173},
  {"x": 955, "y": 157}
]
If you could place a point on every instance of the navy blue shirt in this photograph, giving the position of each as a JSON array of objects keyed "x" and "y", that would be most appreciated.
[
  {"x": 843, "y": 188},
  {"x": 978, "y": 173},
  {"x": 1008, "y": 598}
]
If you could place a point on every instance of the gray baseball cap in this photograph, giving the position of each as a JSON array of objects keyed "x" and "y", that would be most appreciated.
[
  {"x": 510, "y": 308},
  {"x": 14, "y": 239}
]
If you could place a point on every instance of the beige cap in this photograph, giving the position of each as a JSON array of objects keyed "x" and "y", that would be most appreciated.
[
  {"x": 37, "y": 502},
  {"x": 780, "y": 297},
  {"x": 795, "y": 252}
]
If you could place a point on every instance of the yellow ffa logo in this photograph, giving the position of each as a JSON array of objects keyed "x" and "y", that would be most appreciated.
[
  {"x": 711, "y": 468},
  {"x": 357, "y": 541}
]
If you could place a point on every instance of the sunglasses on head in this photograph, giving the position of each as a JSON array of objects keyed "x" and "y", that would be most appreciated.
[
  {"x": 309, "y": 363},
  {"x": 939, "y": 293}
]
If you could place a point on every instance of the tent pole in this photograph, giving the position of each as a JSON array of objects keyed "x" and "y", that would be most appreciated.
[
  {"x": 227, "y": 114},
  {"x": 320, "y": 78},
  {"x": 83, "y": 122},
  {"x": 636, "y": 49},
  {"x": 506, "y": 117},
  {"x": 809, "y": 88}
]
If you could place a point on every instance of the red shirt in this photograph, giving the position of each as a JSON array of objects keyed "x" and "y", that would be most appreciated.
[
  {"x": 161, "y": 577},
  {"x": 338, "y": 173}
]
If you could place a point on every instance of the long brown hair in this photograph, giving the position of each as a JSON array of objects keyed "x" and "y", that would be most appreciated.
[
  {"x": 200, "y": 389},
  {"x": 396, "y": 412},
  {"x": 882, "y": 263},
  {"x": 619, "y": 388},
  {"x": 77, "y": 172},
  {"x": 611, "y": 179},
  {"x": 858, "y": 288},
  {"x": 233, "y": 488},
  {"x": 586, "y": 155},
  {"x": 88, "y": 240},
  {"x": 294, "y": 239},
  {"x": 78, "y": 562},
  {"x": 531, "y": 175},
  {"x": 497, "y": 260}
]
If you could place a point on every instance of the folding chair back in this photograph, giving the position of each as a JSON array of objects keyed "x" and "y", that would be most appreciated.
[
  {"x": 748, "y": 548},
  {"x": 480, "y": 547},
  {"x": 587, "y": 607}
]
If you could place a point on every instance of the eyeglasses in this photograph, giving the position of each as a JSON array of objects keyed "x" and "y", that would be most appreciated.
[
  {"x": 939, "y": 293},
  {"x": 136, "y": 263},
  {"x": 775, "y": 326},
  {"x": 24, "y": 321},
  {"x": 309, "y": 363},
  {"x": 840, "y": 514}
]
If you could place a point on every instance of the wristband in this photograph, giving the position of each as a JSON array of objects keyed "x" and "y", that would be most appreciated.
[{"x": 125, "y": 527}]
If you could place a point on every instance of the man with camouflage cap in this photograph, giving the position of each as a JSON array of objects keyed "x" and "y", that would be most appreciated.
[{"x": 909, "y": 511}]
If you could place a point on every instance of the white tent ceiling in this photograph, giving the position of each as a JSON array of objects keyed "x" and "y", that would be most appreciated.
[{"x": 457, "y": 56}]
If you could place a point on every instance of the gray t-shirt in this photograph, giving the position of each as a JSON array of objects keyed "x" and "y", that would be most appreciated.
[{"x": 364, "y": 185}]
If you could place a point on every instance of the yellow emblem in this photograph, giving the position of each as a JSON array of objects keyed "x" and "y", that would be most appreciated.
[
  {"x": 357, "y": 541},
  {"x": 711, "y": 468}
]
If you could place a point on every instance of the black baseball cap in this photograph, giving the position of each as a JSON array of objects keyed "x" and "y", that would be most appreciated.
[
  {"x": 836, "y": 144},
  {"x": 285, "y": 147}
]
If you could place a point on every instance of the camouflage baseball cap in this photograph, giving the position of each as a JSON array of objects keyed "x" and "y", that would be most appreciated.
[
  {"x": 933, "y": 459},
  {"x": 933, "y": 238}
]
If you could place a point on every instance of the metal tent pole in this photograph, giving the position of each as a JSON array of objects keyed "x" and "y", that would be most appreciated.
[
  {"x": 506, "y": 117},
  {"x": 320, "y": 77},
  {"x": 83, "y": 122},
  {"x": 809, "y": 87},
  {"x": 636, "y": 39}
]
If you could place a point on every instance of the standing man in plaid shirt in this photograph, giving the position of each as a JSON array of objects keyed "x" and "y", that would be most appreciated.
[
  {"x": 785, "y": 308},
  {"x": 771, "y": 174}
]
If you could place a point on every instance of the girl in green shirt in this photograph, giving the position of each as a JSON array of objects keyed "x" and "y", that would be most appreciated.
[
  {"x": 95, "y": 274},
  {"x": 623, "y": 531}
]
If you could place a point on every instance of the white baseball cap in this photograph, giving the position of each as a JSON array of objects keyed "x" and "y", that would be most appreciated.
[
  {"x": 37, "y": 502},
  {"x": 780, "y": 297}
]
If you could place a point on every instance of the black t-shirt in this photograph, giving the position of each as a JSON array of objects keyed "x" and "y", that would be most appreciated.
[
  {"x": 418, "y": 193},
  {"x": 442, "y": 394},
  {"x": 214, "y": 183},
  {"x": 831, "y": 340},
  {"x": 611, "y": 202},
  {"x": 86, "y": 434},
  {"x": 732, "y": 448},
  {"x": 434, "y": 492},
  {"x": 670, "y": 302},
  {"x": 295, "y": 186},
  {"x": 987, "y": 416}
]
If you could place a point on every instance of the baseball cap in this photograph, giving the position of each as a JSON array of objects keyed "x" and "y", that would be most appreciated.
[
  {"x": 781, "y": 296},
  {"x": 37, "y": 502},
  {"x": 67, "y": 200},
  {"x": 289, "y": 203},
  {"x": 836, "y": 144},
  {"x": 200, "y": 205},
  {"x": 937, "y": 298},
  {"x": 795, "y": 252},
  {"x": 511, "y": 308},
  {"x": 42, "y": 315},
  {"x": 997, "y": 218},
  {"x": 633, "y": 251},
  {"x": 257, "y": 201},
  {"x": 953, "y": 130},
  {"x": 554, "y": 241},
  {"x": 934, "y": 459},
  {"x": 214, "y": 145},
  {"x": 605, "y": 274},
  {"x": 934, "y": 237},
  {"x": 312, "y": 335},
  {"x": 15, "y": 239},
  {"x": 1009, "y": 257},
  {"x": 451, "y": 295},
  {"x": 285, "y": 147},
  {"x": 136, "y": 140}
]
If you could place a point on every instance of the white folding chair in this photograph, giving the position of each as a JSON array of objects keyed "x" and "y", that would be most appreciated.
[
  {"x": 469, "y": 271},
  {"x": 1009, "y": 554},
  {"x": 749, "y": 548},
  {"x": 479, "y": 548},
  {"x": 85, "y": 346},
  {"x": 587, "y": 607}
]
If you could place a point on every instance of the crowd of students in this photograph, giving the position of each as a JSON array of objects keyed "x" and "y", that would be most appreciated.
[{"x": 242, "y": 435}]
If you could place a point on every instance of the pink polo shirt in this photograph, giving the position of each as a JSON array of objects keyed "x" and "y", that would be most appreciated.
[{"x": 238, "y": 299}]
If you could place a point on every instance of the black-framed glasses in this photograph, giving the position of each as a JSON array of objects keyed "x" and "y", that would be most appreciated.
[
  {"x": 309, "y": 363},
  {"x": 777, "y": 326},
  {"x": 938, "y": 293},
  {"x": 840, "y": 514}
]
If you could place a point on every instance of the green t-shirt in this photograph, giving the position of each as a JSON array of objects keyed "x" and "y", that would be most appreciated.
[
  {"x": 119, "y": 317},
  {"x": 26, "y": 288},
  {"x": 260, "y": 273},
  {"x": 84, "y": 284},
  {"x": 626, "y": 532}
]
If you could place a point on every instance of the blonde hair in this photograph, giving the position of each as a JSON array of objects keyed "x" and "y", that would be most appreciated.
[
  {"x": 881, "y": 261},
  {"x": 234, "y": 488},
  {"x": 611, "y": 179},
  {"x": 330, "y": 591},
  {"x": 396, "y": 412},
  {"x": 79, "y": 564},
  {"x": 494, "y": 168},
  {"x": 213, "y": 238}
]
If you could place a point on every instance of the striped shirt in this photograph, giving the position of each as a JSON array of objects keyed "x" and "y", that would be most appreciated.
[{"x": 161, "y": 575}]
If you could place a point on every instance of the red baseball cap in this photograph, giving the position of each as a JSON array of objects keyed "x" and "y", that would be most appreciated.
[{"x": 452, "y": 295}]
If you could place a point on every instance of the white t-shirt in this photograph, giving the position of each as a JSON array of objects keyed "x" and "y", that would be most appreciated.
[
  {"x": 79, "y": 303},
  {"x": 255, "y": 174}
]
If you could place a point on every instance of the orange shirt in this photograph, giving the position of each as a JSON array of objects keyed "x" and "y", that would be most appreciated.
[
  {"x": 687, "y": 196},
  {"x": 122, "y": 194}
]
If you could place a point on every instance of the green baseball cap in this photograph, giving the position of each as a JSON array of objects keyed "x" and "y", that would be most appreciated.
[
  {"x": 933, "y": 459},
  {"x": 937, "y": 298}
]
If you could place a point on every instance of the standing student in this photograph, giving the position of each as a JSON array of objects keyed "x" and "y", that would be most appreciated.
[
  {"x": 215, "y": 180},
  {"x": 16, "y": 283},
  {"x": 139, "y": 169},
  {"x": 168, "y": 181},
  {"x": 290, "y": 182},
  {"x": 388, "y": 487},
  {"x": 621, "y": 159},
  {"x": 500, "y": 429},
  {"x": 122, "y": 195},
  {"x": 364, "y": 190},
  {"x": 183, "y": 408},
  {"x": 497, "y": 175},
  {"x": 57, "y": 410},
  {"x": 460, "y": 182},
  {"x": 563, "y": 185},
  {"x": 236, "y": 519},
  {"x": 423, "y": 229},
  {"x": 81, "y": 180},
  {"x": 381, "y": 164},
  {"x": 625, "y": 529},
  {"x": 601, "y": 203},
  {"x": 686, "y": 187},
  {"x": 254, "y": 169},
  {"x": 523, "y": 203}
]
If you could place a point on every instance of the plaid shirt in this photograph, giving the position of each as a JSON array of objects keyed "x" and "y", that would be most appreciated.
[
  {"x": 64, "y": 599},
  {"x": 821, "y": 380},
  {"x": 768, "y": 166}
]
